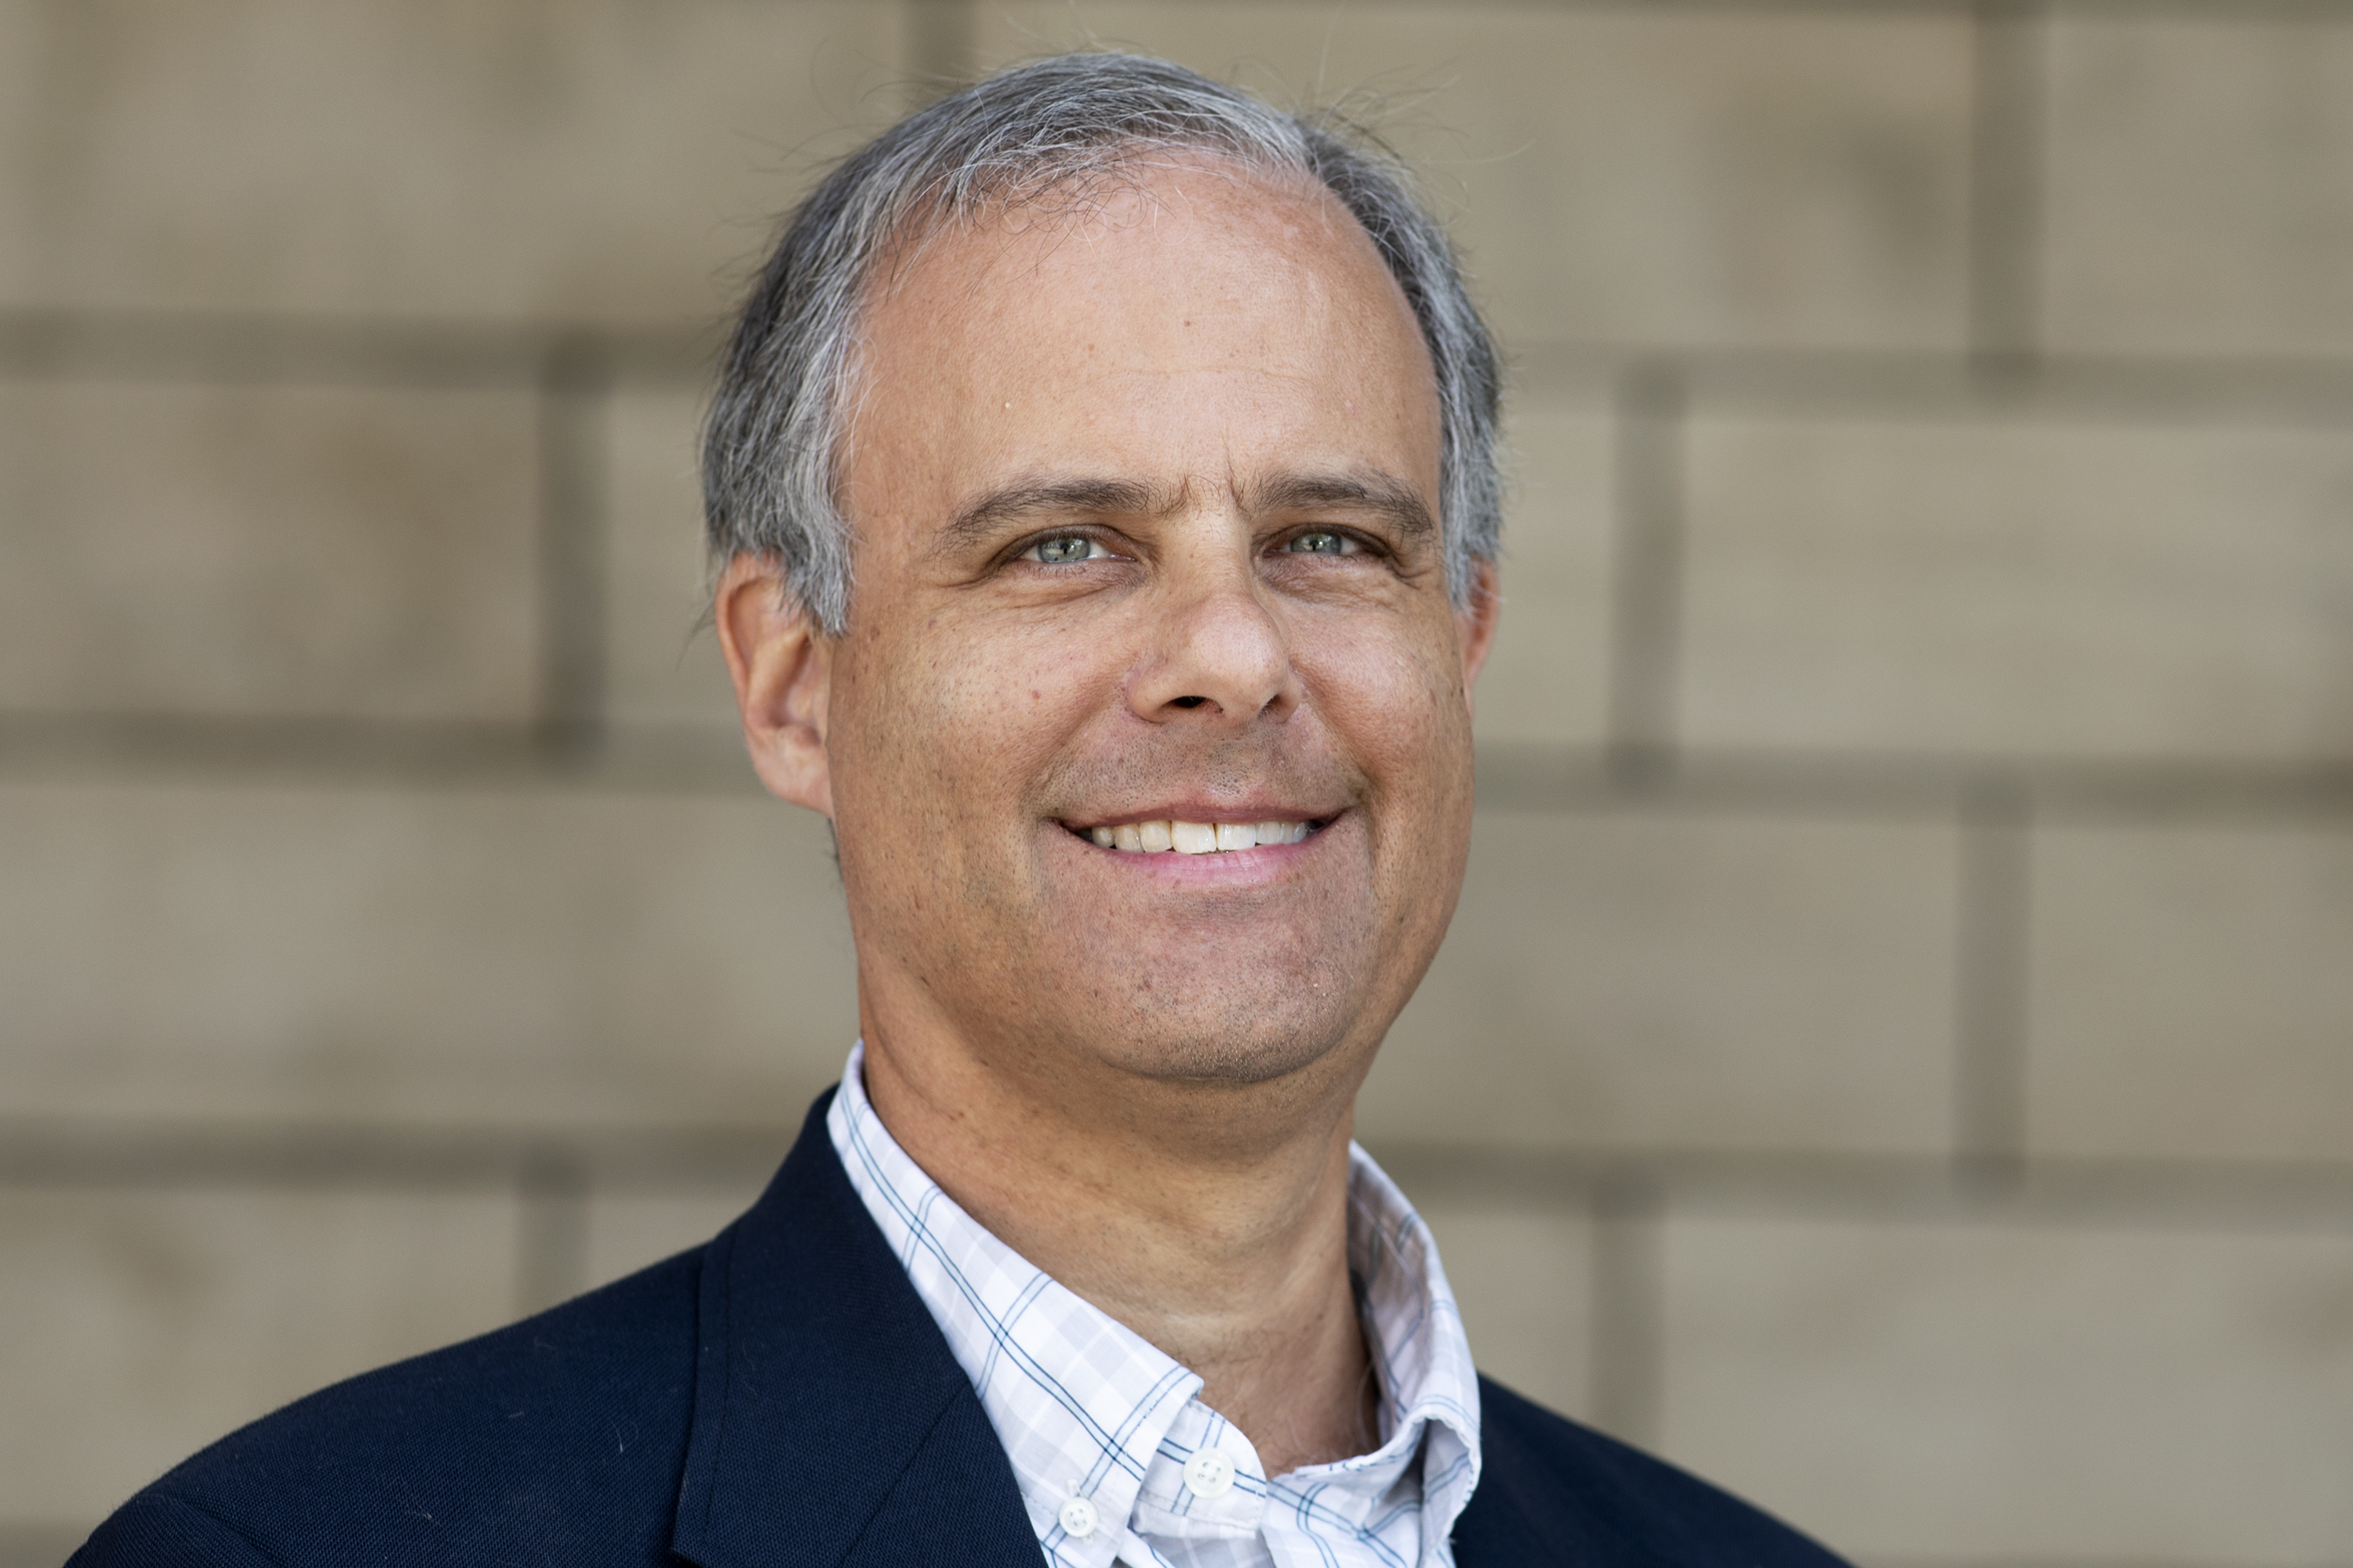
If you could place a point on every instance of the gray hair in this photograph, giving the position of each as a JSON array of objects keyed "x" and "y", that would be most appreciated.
[{"x": 775, "y": 435}]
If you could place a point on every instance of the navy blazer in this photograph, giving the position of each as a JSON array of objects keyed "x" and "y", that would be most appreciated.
[{"x": 780, "y": 1396}]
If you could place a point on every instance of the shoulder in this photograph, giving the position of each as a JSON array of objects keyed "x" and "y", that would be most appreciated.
[
  {"x": 1552, "y": 1491},
  {"x": 560, "y": 1439}
]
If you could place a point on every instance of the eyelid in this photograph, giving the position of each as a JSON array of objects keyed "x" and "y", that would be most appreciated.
[
  {"x": 1362, "y": 544},
  {"x": 1026, "y": 550}
]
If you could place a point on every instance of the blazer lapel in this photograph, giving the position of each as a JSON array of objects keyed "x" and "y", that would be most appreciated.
[{"x": 832, "y": 1426}]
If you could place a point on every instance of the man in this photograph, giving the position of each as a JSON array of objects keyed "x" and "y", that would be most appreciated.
[{"x": 1104, "y": 478}]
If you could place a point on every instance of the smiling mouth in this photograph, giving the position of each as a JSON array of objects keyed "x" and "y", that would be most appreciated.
[{"x": 1195, "y": 838}]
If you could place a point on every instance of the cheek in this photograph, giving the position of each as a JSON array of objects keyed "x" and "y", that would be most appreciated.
[
  {"x": 1397, "y": 706},
  {"x": 931, "y": 783},
  {"x": 1396, "y": 701},
  {"x": 957, "y": 730}
]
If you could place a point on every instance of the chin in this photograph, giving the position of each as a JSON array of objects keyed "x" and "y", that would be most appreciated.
[{"x": 1254, "y": 1049}]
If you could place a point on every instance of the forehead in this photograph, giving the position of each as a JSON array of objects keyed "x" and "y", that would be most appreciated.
[
  {"x": 1116, "y": 217},
  {"x": 1184, "y": 317}
]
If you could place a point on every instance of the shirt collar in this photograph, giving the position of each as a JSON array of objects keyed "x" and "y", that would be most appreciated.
[{"x": 1088, "y": 1409}]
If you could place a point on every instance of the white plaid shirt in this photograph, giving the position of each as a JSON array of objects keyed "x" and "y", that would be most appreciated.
[{"x": 1118, "y": 1461}]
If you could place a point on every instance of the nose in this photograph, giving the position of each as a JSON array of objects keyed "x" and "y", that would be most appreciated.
[{"x": 1219, "y": 654}]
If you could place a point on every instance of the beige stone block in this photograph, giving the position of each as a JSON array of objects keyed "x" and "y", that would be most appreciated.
[
  {"x": 501, "y": 956},
  {"x": 2014, "y": 586},
  {"x": 255, "y": 551},
  {"x": 2190, "y": 995},
  {"x": 663, "y": 664},
  {"x": 1631, "y": 175},
  {"x": 2200, "y": 184},
  {"x": 1967, "y": 1391},
  {"x": 1524, "y": 1279},
  {"x": 1623, "y": 981},
  {"x": 630, "y": 1231},
  {"x": 602, "y": 160},
  {"x": 1548, "y": 678},
  {"x": 143, "y": 1325}
]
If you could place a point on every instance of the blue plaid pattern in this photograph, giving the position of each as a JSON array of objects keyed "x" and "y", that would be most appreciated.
[{"x": 1088, "y": 1410}]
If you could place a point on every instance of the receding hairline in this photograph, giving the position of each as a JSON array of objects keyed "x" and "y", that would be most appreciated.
[{"x": 1140, "y": 173}]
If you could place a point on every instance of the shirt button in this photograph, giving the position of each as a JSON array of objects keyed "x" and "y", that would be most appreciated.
[
  {"x": 1079, "y": 1518},
  {"x": 1208, "y": 1473}
]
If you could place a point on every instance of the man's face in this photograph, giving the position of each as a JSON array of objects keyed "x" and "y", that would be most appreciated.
[{"x": 1145, "y": 505}]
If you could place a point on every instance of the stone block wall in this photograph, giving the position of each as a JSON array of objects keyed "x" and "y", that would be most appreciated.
[{"x": 1896, "y": 1052}]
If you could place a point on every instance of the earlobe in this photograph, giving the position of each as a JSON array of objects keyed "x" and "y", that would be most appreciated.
[{"x": 783, "y": 671}]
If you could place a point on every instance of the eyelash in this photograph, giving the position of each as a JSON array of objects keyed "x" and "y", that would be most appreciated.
[
  {"x": 1350, "y": 545},
  {"x": 1035, "y": 549}
]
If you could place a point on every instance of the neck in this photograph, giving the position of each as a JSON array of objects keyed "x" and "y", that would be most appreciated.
[{"x": 1210, "y": 1218}]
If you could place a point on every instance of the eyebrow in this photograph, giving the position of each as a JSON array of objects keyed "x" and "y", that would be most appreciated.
[
  {"x": 1378, "y": 494},
  {"x": 1017, "y": 502}
]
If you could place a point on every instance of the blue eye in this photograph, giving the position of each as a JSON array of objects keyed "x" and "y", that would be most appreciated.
[
  {"x": 1320, "y": 543},
  {"x": 1064, "y": 551}
]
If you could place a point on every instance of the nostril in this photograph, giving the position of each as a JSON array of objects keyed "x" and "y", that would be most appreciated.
[{"x": 1188, "y": 702}]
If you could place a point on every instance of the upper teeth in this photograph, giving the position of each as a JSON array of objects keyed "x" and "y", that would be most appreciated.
[{"x": 1196, "y": 837}]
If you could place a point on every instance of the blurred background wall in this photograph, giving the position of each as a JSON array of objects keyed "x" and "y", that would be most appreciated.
[{"x": 1896, "y": 1054}]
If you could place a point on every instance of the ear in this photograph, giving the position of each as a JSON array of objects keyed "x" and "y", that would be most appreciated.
[
  {"x": 1475, "y": 624},
  {"x": 783, "y": 671}
]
